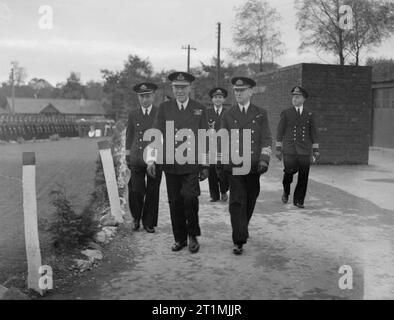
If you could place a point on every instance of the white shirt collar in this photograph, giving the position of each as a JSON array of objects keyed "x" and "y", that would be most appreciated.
[
  {"x": 301, "y": 109},
  {"x": 184, "y": 104},
  {"x": 246, "y": 106},
  {"x": 148, "y": 109},
  {"x": 218, "y": 109}
]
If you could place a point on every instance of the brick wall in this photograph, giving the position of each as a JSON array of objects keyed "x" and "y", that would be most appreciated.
[{"x": 340, "y": 97}]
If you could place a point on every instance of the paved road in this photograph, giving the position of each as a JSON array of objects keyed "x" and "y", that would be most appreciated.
[
  {"x": 291, "y": 253},
  {"x": 69, "y": 162}
]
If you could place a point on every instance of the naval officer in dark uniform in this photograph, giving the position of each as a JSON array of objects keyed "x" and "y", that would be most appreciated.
[
  {"x": 296, "y": 139},
  {"x": 245, "y": 189},
  {"x": 182, "y": 180},
  {"x": 217, "y": 178},
  {"x": 143, "y": 196}
]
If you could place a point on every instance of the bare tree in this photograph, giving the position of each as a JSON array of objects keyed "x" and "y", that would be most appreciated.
[
  {"x": 255, "y": 33},
  {"x": 319, "y": 22},
  {"x": 373, "y": 22},
  {"x": 18, "y": 75}
]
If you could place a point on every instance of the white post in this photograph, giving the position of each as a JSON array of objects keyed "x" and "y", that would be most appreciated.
[
  {"x": 110, "y": 180},
  {"x": 33, "y": 252}
]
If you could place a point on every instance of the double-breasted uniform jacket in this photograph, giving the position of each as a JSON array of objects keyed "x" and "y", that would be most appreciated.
[
  {"x": 297, "y": 134},
  {"x": 256, "y": 120},
  {"x": 214, "y": 120},
  {"x": 137, "y": 124},
  {"x": 193, "y": 118}
]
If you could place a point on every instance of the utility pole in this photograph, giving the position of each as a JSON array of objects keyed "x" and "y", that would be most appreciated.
[
  {"x": 188, "y": 48},
  {"x": 218, "y": 57},
  {"x": 12, "y": 89}
]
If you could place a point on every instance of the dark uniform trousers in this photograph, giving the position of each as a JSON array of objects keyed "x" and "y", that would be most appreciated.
[
  {"x": 296, "y": 134},
  {"x": 144, "y": 191},
  {"x": 183, "y": 186},
  {"x": 183, "y": 192},
  {"x": 218, "y": 182},
  {"x": 217, "y": 178},
  {"x": 245, "y": 189}
]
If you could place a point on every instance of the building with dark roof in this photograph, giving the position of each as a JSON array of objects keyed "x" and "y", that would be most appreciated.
[{"x": 67, "y": 109}]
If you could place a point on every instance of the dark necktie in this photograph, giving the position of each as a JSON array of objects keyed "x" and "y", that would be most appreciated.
[
  {"x": 182, "y": 107},
  {"x": 217, "y": 112},
  {"x": 299, "y": 111},
  {"x": 244, "y": 110}
]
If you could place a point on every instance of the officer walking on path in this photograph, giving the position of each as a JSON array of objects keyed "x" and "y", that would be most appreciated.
[
  {"x": 143, "y": 196},
  {"x": 217, "y": 178},
  {"x": 182, "y": 180},
  {"x": 245, "y": 188},
  {"x": 295, "y": 140}
]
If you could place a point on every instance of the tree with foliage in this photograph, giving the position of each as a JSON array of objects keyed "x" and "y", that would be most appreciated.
[
  {"x": 73, "y": 89},
  {"x": 328, "y": 27},
  {"x": 42, "y": 88},
  {"x": 256, "y": 34},
  {"x": 118, "y": 84}
]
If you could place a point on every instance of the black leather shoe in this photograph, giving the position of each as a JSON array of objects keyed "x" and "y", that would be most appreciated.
[
  {"x": 285, "y": 198},
  {"x": 224, "y": 197},
  {"x": 214, "y": 200},
  {"x": 193, "y": 244},
  {"x": 136, "y": 226},
  {"x": 179, "y": 245},
  {"x": 299, "y": 205},
  {"x": 238, "y": 249},
  {"x": 149, "y": 229}
]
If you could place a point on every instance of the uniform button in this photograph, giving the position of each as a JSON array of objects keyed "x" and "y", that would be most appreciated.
[
  {"x": 140, "y": 132},
  {"x": 138, "y": 124},
  {"x": 252, "y": 131},
  {"x": 236, "y": 151},
  {"x": 252, "y": 141},
  {"x": 237, "y": 141},
  {"x": 140, "y": 148},
  {"x": 253, "y": 121},
  {"x": 140, "y": 139},
  {"x": 252, "y": 152},
  {"x": 189, "y": 136}
]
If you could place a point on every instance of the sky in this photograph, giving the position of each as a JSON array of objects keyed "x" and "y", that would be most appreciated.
[{"x": 91, "y": 35}]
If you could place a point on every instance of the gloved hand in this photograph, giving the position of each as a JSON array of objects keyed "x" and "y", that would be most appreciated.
[
  {"x": 128, "y": 162},
  {"x": 203, "y": 174},
  {"x": 151, "y": 169},
  {"x": 262, "y": 167},
  {"x": 316, "y": 155},
  {"x": 279, "y": 154}
]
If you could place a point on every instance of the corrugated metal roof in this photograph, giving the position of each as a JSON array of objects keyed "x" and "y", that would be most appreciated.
[{"x": 65, "y": 106}]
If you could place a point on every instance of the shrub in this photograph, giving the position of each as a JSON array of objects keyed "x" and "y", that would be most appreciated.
[{"x": 70, "y": 230}]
